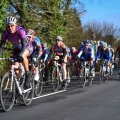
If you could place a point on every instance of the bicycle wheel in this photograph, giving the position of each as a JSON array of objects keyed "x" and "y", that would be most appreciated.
[
  {"x": 55, "y": 79},
  {"x": 82, "y": 80},
  {"x": 7, "y": 92},
  {"x": 90, "y": 81},
  {"x": 28, "y": 96},
  {"x": 38, "y": 85},
  {"x": 111, "y": 71}
]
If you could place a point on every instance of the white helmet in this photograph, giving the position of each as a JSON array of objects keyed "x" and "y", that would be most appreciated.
[
  {"x": 10, "y": 20},
  {"x": 73, "y": 48},
  {"x": 44, "y": 44},
  {"x": 59, "y": 38}
]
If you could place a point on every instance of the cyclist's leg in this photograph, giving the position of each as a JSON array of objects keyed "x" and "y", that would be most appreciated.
[
  {"x": 26, "y": 67},
  {"x": 76, "y": 67},
  {"x": 64, "y": 71},
  {"x": 80, "y": 66},
  {"x": 64, "y": 68}
]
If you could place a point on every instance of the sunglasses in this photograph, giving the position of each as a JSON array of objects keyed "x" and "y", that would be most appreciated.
[
  {"x": 9, "y": 26},
  {"x": 58, "y": 40},
  {"x": 29, "y": 36}
]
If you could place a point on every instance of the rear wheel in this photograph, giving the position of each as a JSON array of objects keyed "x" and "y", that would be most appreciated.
[
  {"x": 90, "y": 81},
  {"x": 7, "y": 92},
  {"x": 38, "y": 85},
  {"x": 28, "y": 96}
]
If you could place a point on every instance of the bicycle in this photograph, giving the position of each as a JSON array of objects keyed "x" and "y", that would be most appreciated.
[
  {"x": 45, "y": 73},
  {"x": 103, "y": 69},
  {"x": 12, "y": 86},
  {"x": 85, "y": 76},
  {"x": 57, "y": 76},
  {"x": 37, "y": 84}
]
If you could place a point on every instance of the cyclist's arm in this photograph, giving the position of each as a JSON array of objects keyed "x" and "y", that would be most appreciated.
[
  {"x": 23, "y": 43},
  {"x": 80, "y": 53},
  {"x": 64, "y": 52},
  {"x": 50, "y": 53},
  {"x": 2, "y": 46}
]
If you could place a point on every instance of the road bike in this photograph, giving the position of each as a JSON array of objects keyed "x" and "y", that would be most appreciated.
[
  {"x": 57, "y": 76},
  {"x": 39, "y": 83},
  {"x": 85, "y": 77},
  {"x": 12, "y": 86},
  {"x": 104, "y": 71}
]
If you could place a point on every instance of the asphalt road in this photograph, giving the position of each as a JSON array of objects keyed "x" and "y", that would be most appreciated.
[{"x": 95, "y": 102}]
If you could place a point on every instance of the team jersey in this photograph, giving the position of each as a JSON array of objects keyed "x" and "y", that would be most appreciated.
[
  {"x": 45, "y": 54},
  {"x": 74, "y": 54},
  {"x": 68, "y": 53},
  {"x": 15, "y": 38},
  {"x": 105, "y": 54},
  {"x": 37, "y": 42},
  {"x": 85, "y": 53},
  {"x": 58, "y": 50}
]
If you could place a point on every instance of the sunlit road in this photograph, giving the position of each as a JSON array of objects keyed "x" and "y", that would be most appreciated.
[{"x": 95, "y": 102}]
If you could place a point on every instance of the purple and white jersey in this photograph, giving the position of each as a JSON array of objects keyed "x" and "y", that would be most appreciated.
[{"x": 14, "y": 38}]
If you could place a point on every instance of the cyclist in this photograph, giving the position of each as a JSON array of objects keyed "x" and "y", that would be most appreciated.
[
  {"x": 44, "y": 58},
  {"x": 60, "y": 53},
  {"x": 68, "y": 54},
  {"x": 111, "y": 55},
  {"x": 37, "y": 50},
  {"x": 74, "y": 53},
  {"x": 85, "y": 53},
  {"x": 104, "y": 54},
  {"x": 17, "y": 37},
  {"x": 117, "y": 55},
  {"x": 92, "y": 55}
]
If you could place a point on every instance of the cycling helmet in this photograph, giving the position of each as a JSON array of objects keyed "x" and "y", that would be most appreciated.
[
  {"x": 30, "y": 32},
  {"x": 59, "y": 38},
  {"x": 104, "y": 45},
  {"x": 44, "y": 44},
  {"x": 73, "y": 48},
  {"x": 109, "y": 46},
  {"x": 86, "y": 42},
  {"x": 10, "y": 20},
  {"x": 101, "y": 43}
]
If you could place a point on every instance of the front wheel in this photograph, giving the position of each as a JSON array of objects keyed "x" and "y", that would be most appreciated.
[
  {"x": 55, "y": 79},
  {"x": 7, "y": 92}
]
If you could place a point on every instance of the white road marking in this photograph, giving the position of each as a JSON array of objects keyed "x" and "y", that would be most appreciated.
[{"x": 49, "y": 94}]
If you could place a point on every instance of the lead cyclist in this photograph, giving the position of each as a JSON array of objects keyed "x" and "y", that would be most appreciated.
[{"x": 22, "y": 49}]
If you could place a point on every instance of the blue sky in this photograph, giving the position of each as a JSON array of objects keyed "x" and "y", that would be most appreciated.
[{"x": 102, "y": 10}]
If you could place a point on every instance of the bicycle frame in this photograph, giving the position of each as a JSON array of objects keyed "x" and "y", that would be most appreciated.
[{"x": 103, "y": 68}]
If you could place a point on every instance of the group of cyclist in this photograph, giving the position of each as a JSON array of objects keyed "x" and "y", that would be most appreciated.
[{"x": 26, "y": 44}]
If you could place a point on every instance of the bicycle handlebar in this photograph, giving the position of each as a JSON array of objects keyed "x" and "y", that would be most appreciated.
[{"x": 10, "y": 59}]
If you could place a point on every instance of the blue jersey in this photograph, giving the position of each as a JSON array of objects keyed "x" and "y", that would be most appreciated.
[
  {"x": 105, "y": 54},
  {"x": 85, "y": 53},
  {"x": 91, "y": 50},
  {"x": 45, "y": 54},
  {"x": 36, "y": 42}
]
